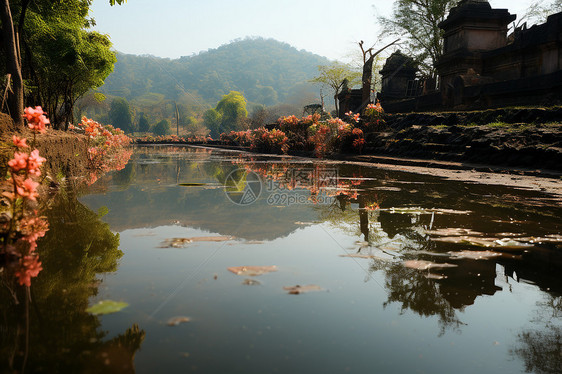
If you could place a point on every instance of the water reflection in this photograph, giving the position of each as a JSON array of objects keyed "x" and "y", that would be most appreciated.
[
  {"x": 49, "y": 330},
  {"x": 375, "y": 219}
]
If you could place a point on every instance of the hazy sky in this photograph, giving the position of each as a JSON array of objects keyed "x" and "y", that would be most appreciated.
[{"x": 174, "y": 28}]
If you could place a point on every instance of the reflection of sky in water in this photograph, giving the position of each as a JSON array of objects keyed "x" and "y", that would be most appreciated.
[{"x": 376, "y": 315}]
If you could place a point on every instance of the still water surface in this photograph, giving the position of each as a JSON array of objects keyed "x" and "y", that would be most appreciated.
[{"x": 405, "y": 286}]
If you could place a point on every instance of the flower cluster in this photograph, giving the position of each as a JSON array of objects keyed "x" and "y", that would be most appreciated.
[
  {"x": 106, "y": 147},
  {"x": 171, "y": 139},
  {"x": 36, "y": 119},
  {"x": 306, "y": 134},
  {"x": 21, "y": 226},
  {"x": 374, "y": 113}
]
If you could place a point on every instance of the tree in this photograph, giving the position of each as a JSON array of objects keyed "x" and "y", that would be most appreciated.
[
  {"x": 120, "y": 114},
  {"x": 44, "y": 15},
  {"x": 229, "y": 114},
  {"x": 162, "y": 128},
  {"x": 539, "y": 11},
  {"x": 143, "y": 124},
  {"x": 418, "y": 21},
  {"x": 334, "y": 75},
  {"x": 13, "y": 63}
]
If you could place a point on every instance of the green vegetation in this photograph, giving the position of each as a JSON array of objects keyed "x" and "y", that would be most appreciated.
[
  {"x": 162, "y": 128},
  {"x": 48, "y": 48},
  {"x": 336, "y": 76},
  {"x": 418, "y": 21},
  {"x": 272, "y": 77},
  {"x": 120, "y": 114}
]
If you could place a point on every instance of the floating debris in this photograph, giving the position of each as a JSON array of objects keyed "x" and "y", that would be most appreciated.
[
  {"x": 174, "y": 321},
  {"x": 435, "y": 276},
  {"x": 252, "y": 271},
  {"x": 297, "y": 290},
  {"x": 453, "y": 231},
  {"x": 182, "y": 242},
  {"x": 475, "y": 255},
  {"x": 419, "y": 210},
  {"x": 251, "y": 282},
  {"x": 107, "y": 307},
  {"x": 426, "y": 265}
]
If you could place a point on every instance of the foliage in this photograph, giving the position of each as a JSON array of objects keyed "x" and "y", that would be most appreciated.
[
  {"x": 309, "y": 133},
  {"x": 106, "y": 147},
  {"x": 333, "y": 76},
  {"x": 21, "y": 224},
  {"x": 120, "y": 114},
  {"x": 162, "y": 128},
  {"x": 418, "y": 21},
  {"x": 143, "y": 125},
  {"x": 229, "y": 114},
  {"x": 61, "y": 59},
  {"x": 264, "y": 69},
  {"x": 539, "y": 11}
]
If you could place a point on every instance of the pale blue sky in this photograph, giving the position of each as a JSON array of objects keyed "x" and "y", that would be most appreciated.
[{"x": 174, "y": 28}]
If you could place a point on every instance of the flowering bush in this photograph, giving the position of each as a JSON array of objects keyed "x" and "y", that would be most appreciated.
[
  {"x": 274, "y": 141},
  {"x": 105, "y": 147},
  {"x": 20, "y": 224},
  {"x": 374, "y": 113},
  {"x": 167, "y": 139}
]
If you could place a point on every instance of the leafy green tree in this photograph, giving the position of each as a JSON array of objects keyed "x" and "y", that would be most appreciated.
[
  {"x": 334, "y": 75},
  {"x": 143, "y": 124},
  {"x": 162, "y": 128},
  {"x": 212, "y": 121},
  {"x": 82, "y": 59},
  {"x": 120, "y": 114},
  {"x": 418, "y": 21},
  {"x": 230, "y": 114}
]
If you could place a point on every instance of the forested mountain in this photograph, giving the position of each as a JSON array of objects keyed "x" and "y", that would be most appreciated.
[{"x": 266, "y": 71}]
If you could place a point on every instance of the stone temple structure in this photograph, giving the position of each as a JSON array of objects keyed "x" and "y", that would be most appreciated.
[{"x": 481, "y": 66}]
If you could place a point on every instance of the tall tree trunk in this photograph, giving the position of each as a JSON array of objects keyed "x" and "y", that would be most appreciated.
[
  {"x": 367, "y": 78},
  {"x": 13, "y": 63}
]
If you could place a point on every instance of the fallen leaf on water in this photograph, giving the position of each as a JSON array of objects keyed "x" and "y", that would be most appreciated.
[
  {"x": 251, "y": 282},
  {"x": 453, "y": 231},
  {"x": 435, "y": 276},
  {"x": 475, "y": 255},
  {"x": 358, "y": 255},
  {"x": 426, "y": 265},
  {"x": 174, "y": 321},
  {"x": 107, "y": 307},
  {"x": 181, "y": 242},
  {"x": 419, "y": 210},
  {"x": 297, "y": 290},
  {"x": 252, "y": 271}
]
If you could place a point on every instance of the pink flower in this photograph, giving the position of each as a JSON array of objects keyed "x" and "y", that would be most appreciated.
[
  {"x": 29, "y": 267},
  {"x": 36, "y": 119},
  {"x": 20, "y": 142},
  {"x": 34, "y": 162},
  {"x": 28, "y": 189},
  {"x": 19, "y": 162}
]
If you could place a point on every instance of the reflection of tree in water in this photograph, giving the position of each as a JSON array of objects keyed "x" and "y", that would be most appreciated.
[
  {"x": 418, "y": 293},
  {"x": 541, "y": 349},
  {"x": 62, "y": 336}
]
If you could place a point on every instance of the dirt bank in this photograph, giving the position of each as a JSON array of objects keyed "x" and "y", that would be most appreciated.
[{"x": 65, "y": 153}]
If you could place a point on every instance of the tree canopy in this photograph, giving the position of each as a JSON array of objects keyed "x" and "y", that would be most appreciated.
[
  {"x": 120, "y": 114},
  {"x": 228, "y": 115},
  {"x": 417, "y": 21},
  {"x": 55, "y": 54},
  {"x": 334, "y": 75}
]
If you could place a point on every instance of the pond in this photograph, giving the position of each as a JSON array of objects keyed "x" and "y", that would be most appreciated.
[{"x": 240, "y": 263}]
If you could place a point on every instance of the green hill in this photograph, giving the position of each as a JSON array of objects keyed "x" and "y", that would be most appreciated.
[{"x": 266, "y": 71}]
